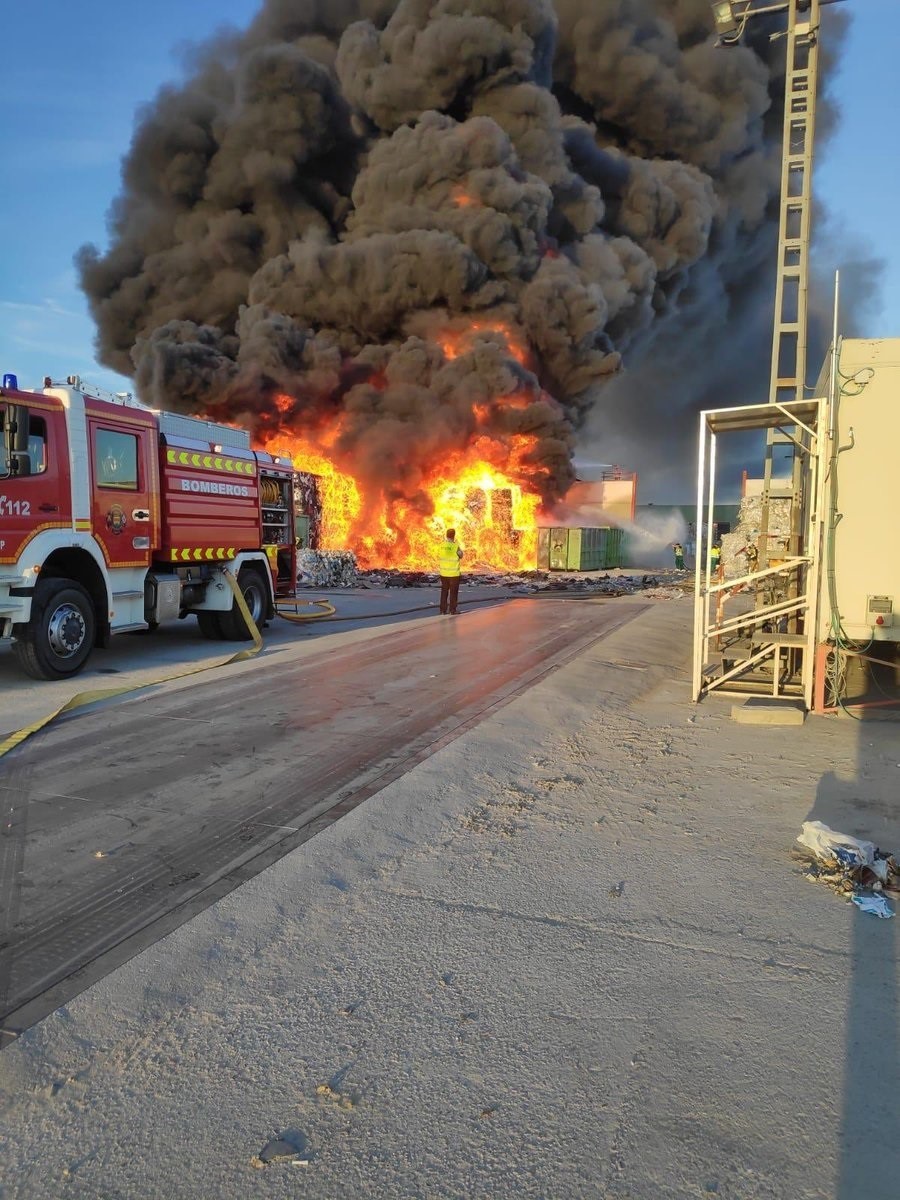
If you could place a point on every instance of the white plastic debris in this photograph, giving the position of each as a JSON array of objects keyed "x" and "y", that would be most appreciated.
[
  {"x": 326, "y": 568},
  {"x": 882, "y": 869},
  {"x": 873, "y": 904},
  {"x": 828, "y": 845}
]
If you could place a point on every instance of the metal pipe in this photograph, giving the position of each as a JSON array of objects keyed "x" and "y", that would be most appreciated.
[
  {"x": 832, "y": 415},
  {"x": 834, "y": 623},
  {"x": 815, "y": 547},
  {"x": 777, "y": 8},
  {"x": 707, "y": 541},
  {"x": 701, "y": 613}
]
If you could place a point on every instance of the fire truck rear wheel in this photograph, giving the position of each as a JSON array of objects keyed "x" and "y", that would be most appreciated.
[
  {"x": 210, "y": 625},
  {"x": 253, "y": 587},
  {"x": 59, "y": 637}
]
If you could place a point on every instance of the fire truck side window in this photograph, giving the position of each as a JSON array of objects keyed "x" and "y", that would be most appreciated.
[
  {"x": 37, "y": 445},
  {"x": 37, "y": 449},
  {"x": 115, "y": 459}
]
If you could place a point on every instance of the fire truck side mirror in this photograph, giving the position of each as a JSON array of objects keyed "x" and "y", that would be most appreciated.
[{"x": 16, "y": 427}]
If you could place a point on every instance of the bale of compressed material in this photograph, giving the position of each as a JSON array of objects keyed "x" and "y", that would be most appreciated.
[
  {"x": 746, "y": 533},
  {"x": 502, "y": 515},
  {"x": 308, "y": 503},
  {"x": 326, "y": 568},
  {"x": 476, "y": 503}
]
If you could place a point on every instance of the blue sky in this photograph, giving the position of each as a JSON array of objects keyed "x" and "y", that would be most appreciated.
[{"x": 75, "y": 75}]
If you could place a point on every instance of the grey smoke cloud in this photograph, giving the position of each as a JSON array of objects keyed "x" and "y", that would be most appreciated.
[{"x": 336, "y": 188}]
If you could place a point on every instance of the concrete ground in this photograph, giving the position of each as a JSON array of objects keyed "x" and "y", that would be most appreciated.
[
  {"x": 147, "y": 810},
  {"x": 567, "y": 955}
]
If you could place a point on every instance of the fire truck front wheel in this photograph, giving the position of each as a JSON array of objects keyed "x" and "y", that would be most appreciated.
[{"x": 59, "y": 637}]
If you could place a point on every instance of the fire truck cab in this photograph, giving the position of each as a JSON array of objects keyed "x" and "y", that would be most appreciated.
[{"x": 115, "y": 517}]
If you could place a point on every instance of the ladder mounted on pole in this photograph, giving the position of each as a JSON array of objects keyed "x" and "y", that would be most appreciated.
[
  {"x": 767, "y": 647},
  {"x": 783, "y": 480}
]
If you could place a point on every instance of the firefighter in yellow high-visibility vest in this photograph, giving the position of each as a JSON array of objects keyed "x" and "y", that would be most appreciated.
[{"x": 451, "y": 553}]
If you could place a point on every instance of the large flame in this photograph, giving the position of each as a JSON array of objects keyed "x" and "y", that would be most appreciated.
[
  {"x": 456, "y": 342},
  {"x": 495, "y": 517},
  {"x": 489, "y": 491}
]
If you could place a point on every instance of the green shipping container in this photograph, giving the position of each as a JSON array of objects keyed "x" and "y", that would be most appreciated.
[
  {"x": 612, "y": 549},
  {"x": 573, "y": 550},
  {"x": 559, "y": 549},
  {"x": 579, "y": 549},
  {"x": 543, "y": 550},
  {"x": 585, "y": 549}
]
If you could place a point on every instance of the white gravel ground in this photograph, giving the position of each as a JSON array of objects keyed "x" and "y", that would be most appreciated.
[{"x": 567, "y": 956}]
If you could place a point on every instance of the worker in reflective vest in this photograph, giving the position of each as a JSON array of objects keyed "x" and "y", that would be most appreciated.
[
  {"x": 450, "y": 555},
  {"x": 715, "y": 555},
  {"x": 679, "y": 556}
]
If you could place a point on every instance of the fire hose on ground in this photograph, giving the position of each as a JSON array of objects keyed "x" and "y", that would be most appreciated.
[
  {"x": 330, "y": 612},
  {"x": 93, "y": 696},
  {"x": 326, "y": 609}
]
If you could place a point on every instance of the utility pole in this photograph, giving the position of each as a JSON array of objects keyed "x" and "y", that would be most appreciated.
[
  {"x": 784, "y": 466},
  {"x": 770, "y": 647},
  {"x": 783, "y": 474}
]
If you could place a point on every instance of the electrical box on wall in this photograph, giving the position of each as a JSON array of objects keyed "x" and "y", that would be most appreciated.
[{"x": 881, "y": 611}]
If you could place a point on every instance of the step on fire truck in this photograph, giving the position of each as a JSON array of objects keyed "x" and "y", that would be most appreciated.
[{"x": 116, "y": 517}]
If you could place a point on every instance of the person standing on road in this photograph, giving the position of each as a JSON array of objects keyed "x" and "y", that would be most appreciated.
[
  {"x": 678, "y": 550},
  {"x": 451, "y": 553},
  {"x": 715, "y": 555}
]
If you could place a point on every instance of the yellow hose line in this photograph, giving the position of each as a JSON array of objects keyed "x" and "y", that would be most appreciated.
[
  {"x": 326, "y": 607},
  {"x": 398, "y": 612},
  {"x": 91, "y": 697}
]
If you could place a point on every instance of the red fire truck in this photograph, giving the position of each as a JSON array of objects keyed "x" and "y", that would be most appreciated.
[{"x": 115, "y": 517}]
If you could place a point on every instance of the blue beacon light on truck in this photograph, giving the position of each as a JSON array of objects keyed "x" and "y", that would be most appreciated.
[{"x": 11, "y": 382}]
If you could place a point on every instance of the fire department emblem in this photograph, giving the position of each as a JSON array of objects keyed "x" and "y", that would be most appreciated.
[{"x": 116, "y": 519}]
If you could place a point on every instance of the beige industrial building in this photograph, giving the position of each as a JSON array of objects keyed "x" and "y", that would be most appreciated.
[
  {"x": 820, "y": 587},
  {"x": 860, "y": 584}
]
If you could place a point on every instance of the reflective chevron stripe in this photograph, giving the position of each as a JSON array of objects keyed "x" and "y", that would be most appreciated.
[
  {"x": 212, "y": 462},
  {"x": 202, "y": 553}
]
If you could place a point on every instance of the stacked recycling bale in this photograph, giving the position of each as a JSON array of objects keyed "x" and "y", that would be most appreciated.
[
  {"x": 326, "y": 568},
  {"x": 746, "y": 533},
  {"x": 502, "y": 514}
]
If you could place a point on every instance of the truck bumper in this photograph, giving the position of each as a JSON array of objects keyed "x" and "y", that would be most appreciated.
[{"x": 14, "y": 608}]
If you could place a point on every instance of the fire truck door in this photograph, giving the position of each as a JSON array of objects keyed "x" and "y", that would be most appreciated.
[
  {"x": 124, "y": 510},
  {"x": 36, "y": 497}
]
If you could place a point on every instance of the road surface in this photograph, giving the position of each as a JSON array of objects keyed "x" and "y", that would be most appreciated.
[{"x": 122, "y": 823}]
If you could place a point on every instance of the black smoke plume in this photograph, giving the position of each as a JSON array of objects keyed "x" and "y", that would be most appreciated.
[{"x": 557, "y": 185}]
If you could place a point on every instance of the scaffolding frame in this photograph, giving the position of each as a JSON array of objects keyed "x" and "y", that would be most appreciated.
[{"x": 772, "y": 645}]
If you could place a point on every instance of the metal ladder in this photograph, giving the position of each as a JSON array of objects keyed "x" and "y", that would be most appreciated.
[{"x": 788, "y": 370}]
